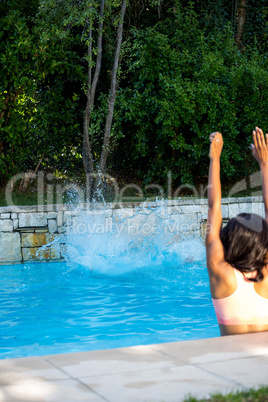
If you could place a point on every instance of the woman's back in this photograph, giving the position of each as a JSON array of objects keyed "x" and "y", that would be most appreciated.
[
  {"x": 244, "y": 308},
  {"x": 237, "y": 255}
]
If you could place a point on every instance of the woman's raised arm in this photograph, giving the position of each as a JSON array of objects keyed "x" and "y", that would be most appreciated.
[
  {"x": 215, "y": 252},
  {"x": 214, "y": 187},
  {"x": 260, "y": 153}
]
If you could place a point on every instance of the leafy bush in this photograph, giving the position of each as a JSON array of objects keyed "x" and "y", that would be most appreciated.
[{"x": 186, "y": 82}]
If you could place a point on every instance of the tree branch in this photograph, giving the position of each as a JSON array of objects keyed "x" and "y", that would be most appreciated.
[
  {"x": 87, "y": 154},
  {"x": 99, "y": 54},
  {"x": 241, "y": 18},
  {"x": 106, "y": 139}
]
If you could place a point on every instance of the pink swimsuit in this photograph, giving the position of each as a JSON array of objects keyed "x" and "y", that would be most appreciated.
[{"x": 244, "y": 306}]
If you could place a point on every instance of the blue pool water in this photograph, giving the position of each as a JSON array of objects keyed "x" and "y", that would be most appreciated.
[{"x": 49, "y": 308}]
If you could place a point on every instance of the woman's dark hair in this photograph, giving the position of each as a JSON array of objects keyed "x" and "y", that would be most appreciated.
[{"x": 245, "y": 242}]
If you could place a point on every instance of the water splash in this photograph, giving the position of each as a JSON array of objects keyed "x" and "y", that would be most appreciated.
[{"x": 116, "y": 241}]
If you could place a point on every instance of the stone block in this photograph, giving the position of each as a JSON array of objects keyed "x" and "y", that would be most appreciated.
[
  {"x": 68, "y": 216},
  {"x": 5, "y": 216},
  {"x": 39, "y": 230},
  {"x": 233, "y": 210},
  {"x": 53, "y": 237},
  {"x": 203, "y": 230},
  {"x": 10, "y": 247},
  {"x": 14, "y": 216},
  {"x": 224, "y": 211},
  {"x": 61, "y": 230},
  {"x": 34, "y": 239},
  {"x": 258, "y": 208},
  {"x": 52, "y": 226},
  {"x": 6, "y": 225},
  {"x": 15, "y": 224},
  {"x": 204, "y": 211},
  {"x": 39, "y": 219},
  {"x": 25, "y": 220},
  {"x": 190, "y": 209},
  {"x": 63, "y": 250},
  {"x": 52, "y": 215},
  {"x": 60, "y": 218},
  {"x": 55, "y": 252},
  {"x": 36, "y": 254},
  {"x": 245, "y": 207},
  {"x": 32, "y": 220}
]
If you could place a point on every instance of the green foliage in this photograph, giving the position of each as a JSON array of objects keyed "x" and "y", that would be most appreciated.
[
  {"x": 17, "y": 86},
  {"x": 38, "y": 97},
  {"x": 77, "y": 22},
  {"x": 181, "y": 77},
  {"x": 187, "y": 82}
]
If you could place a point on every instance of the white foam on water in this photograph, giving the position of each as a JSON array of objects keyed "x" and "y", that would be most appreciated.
[{"x": 118, "y": 242}]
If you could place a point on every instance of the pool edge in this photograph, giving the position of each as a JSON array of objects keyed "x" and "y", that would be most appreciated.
[{"x": 158, "y": 372}]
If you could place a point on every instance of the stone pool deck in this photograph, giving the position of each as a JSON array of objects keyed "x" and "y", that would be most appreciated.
[{"x": 162, "y": 372}]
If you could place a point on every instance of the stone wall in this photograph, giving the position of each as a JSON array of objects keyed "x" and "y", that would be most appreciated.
[
  {"x": 37, "y": 233},
  {"x": 26, "y": 234}
]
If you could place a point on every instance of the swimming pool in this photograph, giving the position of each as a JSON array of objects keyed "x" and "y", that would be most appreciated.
[{"x": 49, "y": 308}]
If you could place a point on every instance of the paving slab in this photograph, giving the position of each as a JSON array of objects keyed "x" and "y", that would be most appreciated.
[
  {"x": 105, "y": 362},
  {"x": 163, "y": 372},
  {"x": 166, "y": 384},
  {"x": 247, "y": 372},
  {"x": 53, "y": 391},
  {"x": 217, "y": 349},
  {"x": 28, "y": 369}
]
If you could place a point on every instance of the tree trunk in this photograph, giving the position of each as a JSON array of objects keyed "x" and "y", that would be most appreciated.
[
  {"x": 28, "y": 176},
  {"x": 241, "y": 18},
  {"x": 87, "y": 154},
  {"x": 111, "y": 102}
]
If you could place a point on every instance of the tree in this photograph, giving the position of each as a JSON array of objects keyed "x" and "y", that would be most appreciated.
[
  {"x": 18, "y": 77},
  {"x": 92, "y": 83},
  {"x": 180, "y": 70},
  {"x": 202, "y": 83},
  {"x": 79, "y": 19},
  {"x": 37, "y": 98}
]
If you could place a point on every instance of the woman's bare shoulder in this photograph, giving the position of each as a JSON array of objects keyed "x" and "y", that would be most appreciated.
[{"x": 222, "y": 279}]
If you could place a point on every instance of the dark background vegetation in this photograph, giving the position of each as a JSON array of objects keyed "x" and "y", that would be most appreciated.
[{"x": 187, "y": 68}]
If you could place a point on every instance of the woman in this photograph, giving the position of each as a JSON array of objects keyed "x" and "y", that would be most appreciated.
[{"x": 237, "y": 255}]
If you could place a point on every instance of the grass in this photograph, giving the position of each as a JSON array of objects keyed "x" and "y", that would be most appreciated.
[
  {"x": 56, "y": 195},
  {"x": 59, "y": 191},
  {"x": 251, "y": 395}
]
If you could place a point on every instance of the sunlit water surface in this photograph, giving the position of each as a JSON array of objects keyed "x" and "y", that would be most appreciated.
[{"x": 107, "y": 295}]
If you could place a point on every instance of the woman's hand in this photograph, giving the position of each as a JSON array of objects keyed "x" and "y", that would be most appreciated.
[
  {"x": 260, "y": 146},
  {"x": 260, "y": 153},
  {"x": 216, "y": 144}
]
